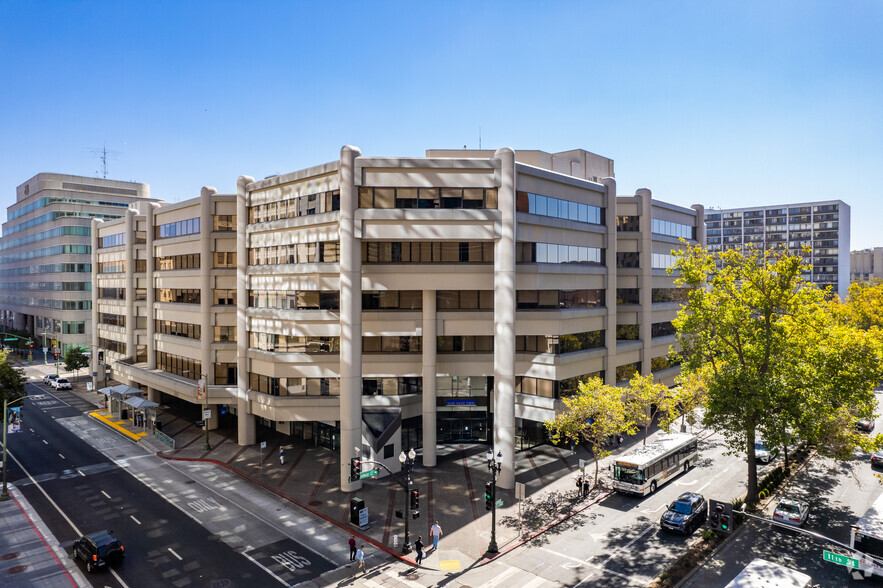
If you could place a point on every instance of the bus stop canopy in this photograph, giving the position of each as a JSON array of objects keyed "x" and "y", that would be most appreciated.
[
  {"x": 140, "y": 402},
  {"x": 121, "y": 391}
]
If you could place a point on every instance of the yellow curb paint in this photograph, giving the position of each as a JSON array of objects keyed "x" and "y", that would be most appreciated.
[
  {"x": 103, "y": 417},
  {"x": 449, "y": 565}
]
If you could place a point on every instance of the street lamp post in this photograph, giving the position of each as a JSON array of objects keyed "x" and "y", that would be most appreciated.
[
  {"x": 494, "y": 465},
  {"x": 4, "y": 495},
  {"x": 202, "y": 391},
  {"x": 407, "y": 462}
]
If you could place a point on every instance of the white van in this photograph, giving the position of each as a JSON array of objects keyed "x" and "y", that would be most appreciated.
[{"x": 761, "y": 573}]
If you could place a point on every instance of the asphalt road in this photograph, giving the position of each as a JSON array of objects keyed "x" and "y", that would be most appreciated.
[{"x": 79, "y": 487}]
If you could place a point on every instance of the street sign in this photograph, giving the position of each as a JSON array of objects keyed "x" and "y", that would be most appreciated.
[
  {"x": 207, "y": 414},
  {"x": 499, "y": 503},
  {"x": 10, "y": 339},
  {"x": 200, "y": 423},
  {"x": 263, "y": 444},
  {"x": 45, "y": 350},
  {"x": 840, "y": 559},
  {"x": 369, "y": 473},
  {"x": 89, "y": 386},
  {"x": 582, "y": 465}
]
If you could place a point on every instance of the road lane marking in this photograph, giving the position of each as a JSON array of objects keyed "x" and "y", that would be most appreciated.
[
  {"x": 79, "y": 471},
  {"x": 134, "y": 519},
  {"x": 61, "y": 456},
  {"x": 176, "y": 555},
  {"x": 500, "y": 578},
  {"x": 584, "y": 562},
  {"x": 627, "y": 545},
  {"x": 265, "y": 568},
  {"x": 106, "y": 495},
  {"x": 44, "y": 440}
]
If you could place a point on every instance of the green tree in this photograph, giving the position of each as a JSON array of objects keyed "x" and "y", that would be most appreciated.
[
  {"x": 646, "y": 398},
  {"x": 759, "y": 326},
  {"x": 863, "y": 307},
  {"x": 75, "y": 359},
  {"x": 12, "y": 380},
  {"x": 593, "y": 414},
  {"x": 689, "y": 395}
]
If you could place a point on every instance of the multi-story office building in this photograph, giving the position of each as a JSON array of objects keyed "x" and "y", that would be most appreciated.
[
  {"x": 822, "y": 226},
  {"x": 386, "y": 303},
  {"x": 45, "y": 253},
  {"x": 866, "y": 265}
]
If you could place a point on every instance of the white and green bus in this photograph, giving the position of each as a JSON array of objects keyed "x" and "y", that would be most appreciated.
[
  {"x": 866, "y": 538},
  {"x": 644, "y": 468},
  {"x": 761, "y": 573}
]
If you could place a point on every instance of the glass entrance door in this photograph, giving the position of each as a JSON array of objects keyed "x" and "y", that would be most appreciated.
[{"x": 462, "y": 426}]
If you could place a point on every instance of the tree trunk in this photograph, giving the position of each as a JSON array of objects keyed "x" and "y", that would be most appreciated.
[
  {"x": 595, "y": 455},
  {"x": 751, "y": 495}
]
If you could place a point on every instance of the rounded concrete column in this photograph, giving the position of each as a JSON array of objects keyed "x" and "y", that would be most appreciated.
[
  {"x": 430, "y": 359},
  {"x": 645, "y": 287},
  {"x": 350, "y": 317},
  {"x": 245, "y": 421},
  {"x": 700, "y": 224},
  {"x": 206, "y": 264},
  {"x": 151, "y": 285},
  {"x": 610, "y": 293},
  {"x": 504, "y": 321},
  {"x": 93, "y": 359},
  {"x": 131, "y": 321}
]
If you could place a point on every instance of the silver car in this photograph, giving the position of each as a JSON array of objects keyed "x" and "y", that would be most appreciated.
[
  {"x": 791, "y": 512},
  {"x": 62, "y": 384},
  {"x": 763, "y": 453}
]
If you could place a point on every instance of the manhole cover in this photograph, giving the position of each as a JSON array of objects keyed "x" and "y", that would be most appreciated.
[
  {"x": 412, "y": 576},
  {"x": 10, "y": 555},
  {"x": 315, "y": 503},
  {"x": 16, "y": 569}
]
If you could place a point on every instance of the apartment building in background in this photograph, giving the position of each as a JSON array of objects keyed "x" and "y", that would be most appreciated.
[
  {"x": 822, "y": 226},
  {"x": 391, "y": 302},
  {"x": 45, "y": 253},
  {"x": 866, "y": 265}
]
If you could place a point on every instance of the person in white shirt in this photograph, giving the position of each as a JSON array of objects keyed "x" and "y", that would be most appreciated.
[{"x": 436, "y": 532}]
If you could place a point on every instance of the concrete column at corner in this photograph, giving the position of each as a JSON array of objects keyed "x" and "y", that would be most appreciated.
[
  {"x": 131, "y": 324},
  {"x": 504, "y": 321},
  {"x": 205, "y": 282},
  {"x": 151, "y": 286},
  {"x": 350, "y": 317},
  {"x": 93, "y": 359},
  {"x": 700, "y": 224},
  {"x": 245, "y": 420},
  {"x": 153, "y": 395},
  {"x": 430, "y": 360},
  {"x": 610, "y": 293},
  {"x": 645, "y": 287}
]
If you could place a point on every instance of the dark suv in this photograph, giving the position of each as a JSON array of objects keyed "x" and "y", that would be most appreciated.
[
  {"x": 685, "y": 514},
  {"x": 98, "y": 549}
]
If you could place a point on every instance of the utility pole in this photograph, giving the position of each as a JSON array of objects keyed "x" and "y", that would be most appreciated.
[{"x": 4, "y": 494}]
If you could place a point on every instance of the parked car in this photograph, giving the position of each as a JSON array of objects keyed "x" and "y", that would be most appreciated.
[
  {"x": 791, "y": 512},
  {"x": 685, "y": 514},
  {"x": 49, "y": 379},
  {"x": 877, "y": 459},
  {"x": 98, "y": 550},
  {"x": 764, "y": 453},
  {"x": 865, "y": 425},
  {"x": 61, "y": 384}
]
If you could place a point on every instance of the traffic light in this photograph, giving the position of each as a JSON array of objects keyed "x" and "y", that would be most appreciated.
[
  {"x": 489, "y": 496},
  {"x": 415, "y": 499},
  {"x": 355, "y": 469},
  {"x": 715, "y": 510},
  {"x": 726, "y": 523},
  {"x": 100, "y": 356}
]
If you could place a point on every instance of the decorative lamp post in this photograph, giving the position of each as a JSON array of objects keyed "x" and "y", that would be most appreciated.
[
  {"x": 494, "y": 465},
  {"x": 407, "y": 462},
  {"x": 4, "y": 494}
]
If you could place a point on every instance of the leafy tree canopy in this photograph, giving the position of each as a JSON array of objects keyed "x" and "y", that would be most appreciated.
[{"x": 12, "y": 380}]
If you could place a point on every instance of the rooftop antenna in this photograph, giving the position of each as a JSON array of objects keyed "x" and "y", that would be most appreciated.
[
  {"x": 103, "y": 155},
  {"x": 479, "y": 137}
]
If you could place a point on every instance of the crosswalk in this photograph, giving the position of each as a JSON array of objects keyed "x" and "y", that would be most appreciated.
[{"x": 506, "y": 577}]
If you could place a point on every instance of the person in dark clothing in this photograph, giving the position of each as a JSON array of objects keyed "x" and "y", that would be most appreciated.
[
  {"x": 418, "y": 545},
  {"x": 352, "y": 543}
]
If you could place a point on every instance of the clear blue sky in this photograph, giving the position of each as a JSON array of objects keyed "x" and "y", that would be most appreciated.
[{"x": 721, "y": 103}]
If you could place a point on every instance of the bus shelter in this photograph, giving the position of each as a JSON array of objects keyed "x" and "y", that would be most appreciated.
[
  {"x": 143, "y": 412},
  {"x": 116, "y": 399}
]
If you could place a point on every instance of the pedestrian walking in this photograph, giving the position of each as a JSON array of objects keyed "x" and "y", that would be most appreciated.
[
  {"x": 418, "y": 546},
  {"x": 436, "y": 532},
  {"x": 352, "y": 543},
  {"x": 360, "y": 557},
  {"x": 281, "y": 455}
]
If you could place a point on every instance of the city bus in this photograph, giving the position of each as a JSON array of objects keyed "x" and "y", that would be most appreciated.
[
  {"x": 866, "y": 537},
  {"x": 644, "y": 468},
  {"x": 761, "y": 573}
]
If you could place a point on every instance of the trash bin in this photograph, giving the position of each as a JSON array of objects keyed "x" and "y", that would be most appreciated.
[
  {"x": 124, "y": 413},
  {"x": 159, "y": 425},
  {"x": 356, "y": 504}
]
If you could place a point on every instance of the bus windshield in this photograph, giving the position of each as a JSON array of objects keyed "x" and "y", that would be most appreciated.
[
  {"x": 627, "y": 475},
  {"x": 869, "y": 545}
]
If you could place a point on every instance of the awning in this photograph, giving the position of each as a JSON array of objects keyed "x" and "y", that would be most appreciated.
[
  {"x": 140, "y": 402},
  {"x": 121, "y": 391}
]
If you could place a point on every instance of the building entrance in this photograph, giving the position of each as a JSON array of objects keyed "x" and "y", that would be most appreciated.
[{"x": 462, "y": 425}]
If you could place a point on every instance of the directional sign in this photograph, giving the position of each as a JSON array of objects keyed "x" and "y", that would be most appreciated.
[
  {"x": 369, "y": 473},
  {"x": 207, "y": 414},
  {"x": 840, "y": 559},
  {"x": 499, "y": 503}
]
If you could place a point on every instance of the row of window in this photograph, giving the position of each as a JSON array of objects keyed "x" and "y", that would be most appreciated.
[
  {"x": 189, "y": 330},
  {"x": 224, "y": 222},
  {"x": 295, "y": 300},
  {"x": 673, "y": 229},
  {"x": 119, "y": 267},
  {"x": 176, "y": 262},
  {"x": 225, "y": 334},
  {"x": 629, "y": 223},
  {"x": 51, "y": 216},
  {"x": 189, "y": 226},
  {"x": 632, "y": 332},
  {"x": 293, "y": 343},
  {"x": 179, "y": 295},
  {"x": 295, "y": 206},
  {"x": 111, "y": 345},
  {"x": 427, "y": 197},
  {"x": 56, "y": 286},
  {"x": 179, "y": 365},
  {"x": 52, "y": 303},
  {"x": 320, "y": 252},
  {"x": 49, "y": 268},
  {"x": 526, "y": 252},
  {"x": 40, "y": 203},
  {"x": 112, "y": 240},
  {"x": 116, "y": 320},
  {"x": 69, "y": 231},
  {"x": 427, "y": 252},
  {"x": 112, "y": 293},
  {"x": 47, "y": 252},
  {"x": 558, "y": 208}
]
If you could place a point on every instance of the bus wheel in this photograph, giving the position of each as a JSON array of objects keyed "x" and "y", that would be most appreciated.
[
  {"x": 686, "y": 466},
  {"x": 652, "y": 486}
]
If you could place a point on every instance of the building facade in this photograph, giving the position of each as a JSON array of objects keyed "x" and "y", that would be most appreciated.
[
  {"x": 866, "y": 265},
  {"x": 823, "y": 226},
  {"x": 45, "y": 254},
  {"x": 385, "y": 303}
]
